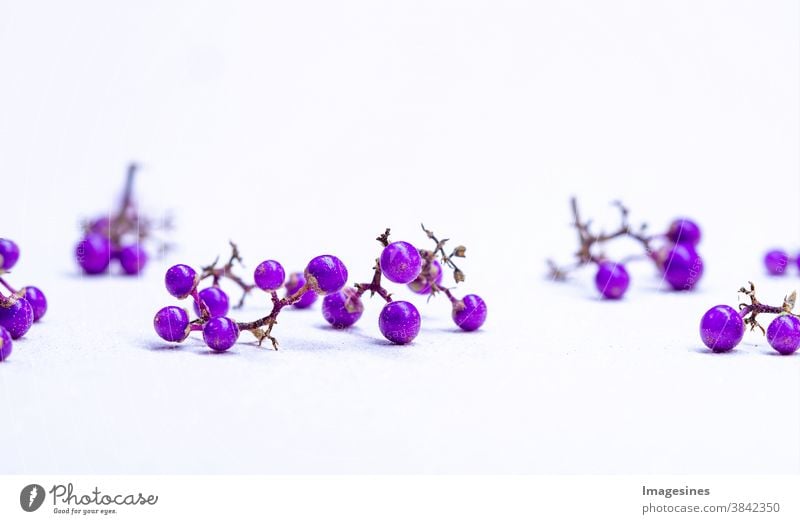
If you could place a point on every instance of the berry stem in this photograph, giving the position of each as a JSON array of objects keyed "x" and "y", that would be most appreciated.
[
  {"x": 270, "y": 320},
  {"x": 7, "y": 286},
  {"x": 749, "y": 312},
  {"x": 375, "y": 285},
  {"x": 459, "y": 251},
  {"x": 226, "y": 271}
]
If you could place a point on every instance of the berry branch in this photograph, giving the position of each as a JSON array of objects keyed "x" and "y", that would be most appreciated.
[
  {"x": 750, "y": 311},
  {"x": 226, "y": 271}
]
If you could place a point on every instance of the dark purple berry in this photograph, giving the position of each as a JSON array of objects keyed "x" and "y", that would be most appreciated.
[
  {"x": 683, "y": 267},
  {"x": 295, "y": 282},
  {"x": 93, "y": 253},
  {"x": 5, "y": 344},
  {"x": 343, "y": 308},
  {"x": 776, "y": 261},
  {"x": 469, "y": 313},
  {"x": 220, "y": 333},
  {"x": 172, "y": 323},
  {"x": 326, "y": 274},
  {"x": 721, "y": 328},
  {"x": 37, "y": 300},
  {"x": 611, "y": 279},
  {"x": 180, "y": 280},
  {"x": 400, "y": 262},
  {"x": 17, "y": 318},
  {"x": 684, "y": 231},
  {"x": 9, "y": 253},
  {"x": 216, "y": 300},
  {"x": 133, "y": 259},
  {"x": 399, "y": 322},
  {"x": 422, "y": 283},
  {"x": 269, "y": 275},
  {"x": 783, "y": 334}
]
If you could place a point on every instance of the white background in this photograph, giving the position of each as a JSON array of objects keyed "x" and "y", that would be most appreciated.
[{"x": 305, "y": 128}]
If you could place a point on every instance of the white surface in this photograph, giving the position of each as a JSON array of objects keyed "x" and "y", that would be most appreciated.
[{"x": 307, "y": 129}]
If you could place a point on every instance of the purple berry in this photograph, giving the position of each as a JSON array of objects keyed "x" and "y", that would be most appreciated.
[
  {"x": 783, "y": 334},
  {"x": 101, "y": 225},
  {"x": 37, "y": 300},
  {"x": 422, "y": 284},
  {"x": 399, "y": 322},
  {"x": 611, "y": 279},
  {"x": 172, "y": 323},
  {"x": 295, "y": 282},
  {"x": 469, "y": 313},
  {"x": 5, "y": 344},
  {"x": 326, "y": 274},
  {"x": 400, "y": 262},
  {"x": 93, "y": 253},
  {"x": 684, "y": 231},
  {"x": 683, "y": 267},
  {"x": 269, "y": 275},
  {"x": 216, "y": 300},
  {"x": 17, "y": 318},
  {"x": 721, "y": 328},
  {"x": 776, "y": 261},
  {"x": 180, "y": 280},
  {"x": 133, "y": 259},
  {"x": 220, "y": 333},
  {"x": 343, "y": 308},
  {"x": 9, "y": 253}
]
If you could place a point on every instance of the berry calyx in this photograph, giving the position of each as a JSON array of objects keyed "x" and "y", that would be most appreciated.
[
  {"x": 326, "y": 274},
  {"x": 181, "y": 280},
  {"x": 611, "y": 279},
  {"x": 220, "y": 333},
  {"x": 469, "y": 313},
  {"x": 343, "y": 308},
  {"x": 399, "y": 322},
  {"x": 9, "y": 253},
  {"x": 721, "y": 328},
  {"x": 215, "y": 300},
  {"x": 172, "y": 323},
  {"x": 400, "y": 262},
  {"x": 269, "y": 275},
  {"x": 5, "y": 344},
  {"x": 93, "y": 253},
  {"x": 783, "y": 334}
]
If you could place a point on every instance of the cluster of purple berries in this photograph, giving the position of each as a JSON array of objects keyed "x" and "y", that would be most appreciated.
[
  {"x": 674, "y": 254},
  {"x": 21, "y": 308},
  {"x": 777, "y": 261},
  {"x": 722, "y": 327}
]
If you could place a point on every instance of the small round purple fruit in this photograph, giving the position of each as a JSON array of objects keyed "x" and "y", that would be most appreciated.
[
  {"x": 37, "y": 300},
  {"x": 611, "y": 279},
  {"x": 5, "y": 344},
  {"x": 422, "y": 284},
  {"x": 133, "y": 258},
  {"x": 172, "y": 323},
  {"x": 326, "y": 274},
  {"x": 399, "y": 322},
  {"x": 93, "y": 253},
  {"x": 783, "y": 334},
  {"x": 269, "y": 275},
  {"x": 683, "y": 267},
  {"x": 400, "y": 262},
  {"x": 469, "y": 313},
  {"x": 684, "y": 231},
  {"x": 9, "y": 253},
  {"x": 776, "y": 261},
  {"x": 17, "y": 318},
  {"x": 721, "y": 328},
  {"x": 343, "y": 308},
  {"x": 295, "y": 282},
  {"x": 180, "y": 280},
  {"x": 216, "y": 300},
  {"x": 220, "y": 333}
]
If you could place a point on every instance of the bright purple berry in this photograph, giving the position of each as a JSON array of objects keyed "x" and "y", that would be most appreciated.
[
  {"x": 783, "y": 334},
  {"x": 172, "y": 323},
  {"x": 326, "y": 274},
  {"x": 400, "y": 262},
  {"x": 133, "y": 259},
  {"x": 37, "y": 300},
  {"x": 180, "y": 280},
  {"x": 683, "y": 267},
  {"x": 17, "y": 318},
  {"x": 611, "y": 279},
  {"x": 684, "y": 231},
  {"x": 343, "y": 308},
  {"x": 399, "y": 322},
  {"x": 9, "y": 253},
  {"x": 5, "y": 344},
  {"x": 220, "y": 333},
  {"x": 269, "y": 275},
  {"x": 295, "y": 282},
  {"x": 776, "y": 261},
  {"x": 469, "y": 313},
  {"x": 422, "y": 284},
  {"x": 216, "y": 300},
  {"x": 721, "y": 328},
  {"x": 93, "y": 253}
]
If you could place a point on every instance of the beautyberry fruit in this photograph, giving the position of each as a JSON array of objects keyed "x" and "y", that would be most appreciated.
[
  {"x": 180, "y": 280},
  {"x": 343, "y": 308},
  {"x": 684, "y": 231},
  {"x": 326, "y": 274},
  {"x": 422, "y": 284},
  {"x": 400, "y": 262},
  {"x": 269, "y": 275},
  {"x": 93, "y": 253},
  {"x": 611, "y": 279},
  {"x": 721, "y": 328},
  {"x": 133, "y": 258},
  {"x": 683, "y": 267},
  {"x": 295, "y": 282},
  {"x": 216, "y": 300},
  {"x": 776, "y": 261},
  {"x": 399, "y": 322},
  {"x": 469, "y": 313},
  {"x": 17, "y": 318},
  {"x": 37, "y": 300},
  {"x": 9, "y": 253},
  {"x": 220, "y": 333},
  {"x": 783, "y": 334},
  {"x": 172, "y": 323},
  {"x": 5, "y": 344}
]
